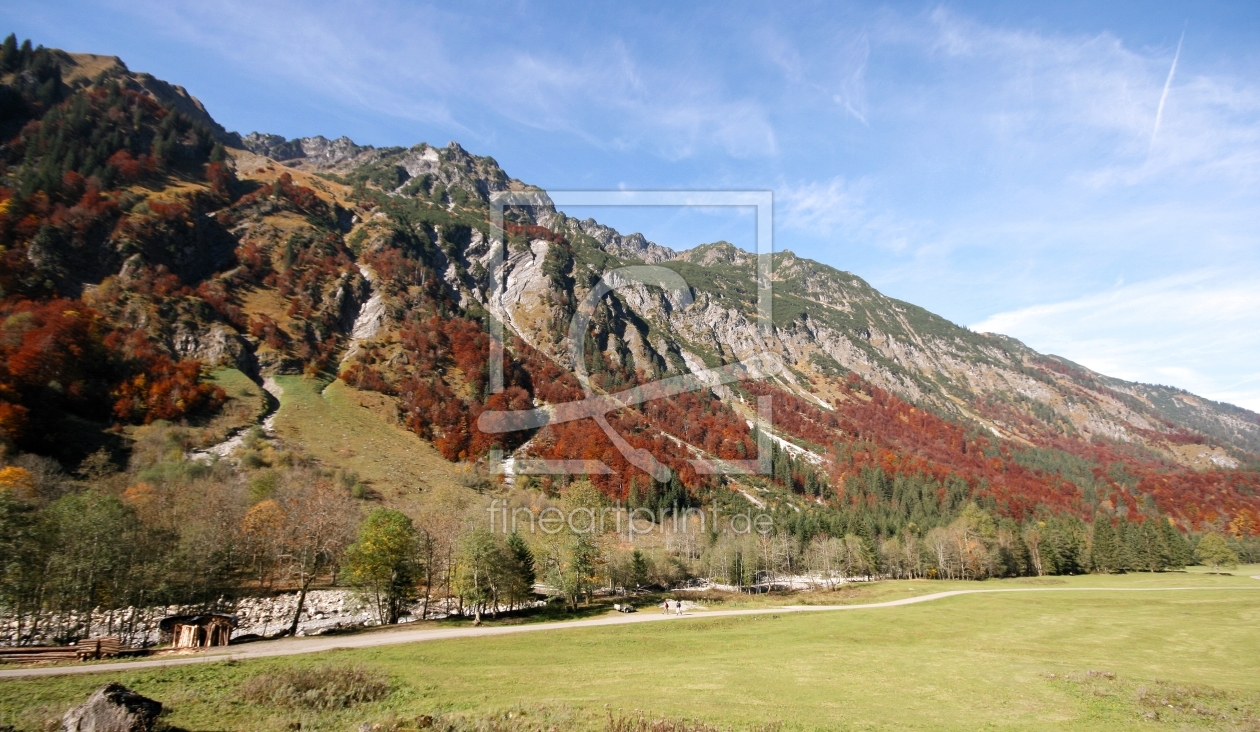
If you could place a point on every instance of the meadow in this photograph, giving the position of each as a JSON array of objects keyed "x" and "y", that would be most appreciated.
[
  {"x": 354, "y": 430},
  {"x": 1028, "y": 660}
]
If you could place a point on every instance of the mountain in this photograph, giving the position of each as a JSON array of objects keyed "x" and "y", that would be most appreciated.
[{"x": 149, "y": 254}]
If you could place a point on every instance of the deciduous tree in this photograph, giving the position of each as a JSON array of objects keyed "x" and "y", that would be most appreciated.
[
  {"x": 1214, "y": 551},
  {"x": 383, "y": 563}
]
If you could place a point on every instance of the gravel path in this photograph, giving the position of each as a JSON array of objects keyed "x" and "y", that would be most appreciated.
[{"x": 316, "y": 644}]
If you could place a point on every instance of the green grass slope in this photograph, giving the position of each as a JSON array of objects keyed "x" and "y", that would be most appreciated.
[{"x": 344, "y": 428}]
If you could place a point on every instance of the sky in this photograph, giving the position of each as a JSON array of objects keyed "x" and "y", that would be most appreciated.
[{"x": 1082, "y": 176}]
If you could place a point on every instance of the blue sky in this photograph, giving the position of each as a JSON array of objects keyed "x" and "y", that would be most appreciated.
[{"x": 1032, "y": 171}]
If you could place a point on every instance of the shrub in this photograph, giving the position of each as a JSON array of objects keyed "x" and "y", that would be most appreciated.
[{"x": 319, "y": 688}]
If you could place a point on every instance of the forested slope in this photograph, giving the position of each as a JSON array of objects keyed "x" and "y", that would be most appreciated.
[{"x": 149, "y": 258}]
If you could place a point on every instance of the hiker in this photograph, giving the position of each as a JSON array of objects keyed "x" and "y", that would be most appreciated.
[
  {"x": 678, "y": 607},
  {"x": 665, "y": 607}
]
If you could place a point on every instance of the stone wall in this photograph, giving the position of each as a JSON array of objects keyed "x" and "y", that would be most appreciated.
[{"x": 322, "y": 612}]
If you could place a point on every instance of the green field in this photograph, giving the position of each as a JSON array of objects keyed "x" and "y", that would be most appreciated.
[{"x": 1047, "y": 660}]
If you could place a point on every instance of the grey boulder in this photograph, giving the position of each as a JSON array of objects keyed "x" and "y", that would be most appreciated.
[{"x": 113, "y": 708}]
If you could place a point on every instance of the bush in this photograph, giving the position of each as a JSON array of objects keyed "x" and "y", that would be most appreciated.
[{"x": 320, "y": 688}]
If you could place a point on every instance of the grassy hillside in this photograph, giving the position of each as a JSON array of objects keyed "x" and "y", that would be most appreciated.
[
  {"x": 354, "y": 430},
  {"x": 1072, "y": 660},
  {"x": 245, "y": 404}
]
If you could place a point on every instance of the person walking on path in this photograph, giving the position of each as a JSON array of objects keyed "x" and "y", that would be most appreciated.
[
  {"x": 665, "y": 607},
  {"x": 678, "y": 607}
]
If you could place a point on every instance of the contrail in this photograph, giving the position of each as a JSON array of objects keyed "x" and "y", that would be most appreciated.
[{"x": 1163, "y": 98}]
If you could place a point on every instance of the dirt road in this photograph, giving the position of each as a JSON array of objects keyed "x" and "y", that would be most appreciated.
[{"x": 316, "y": 644}]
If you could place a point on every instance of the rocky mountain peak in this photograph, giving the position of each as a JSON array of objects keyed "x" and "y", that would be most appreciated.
[
  {"x": 719, "y": 252},
  {"x": 318, "y": 152},
  {"x": 632, "y": 246}
]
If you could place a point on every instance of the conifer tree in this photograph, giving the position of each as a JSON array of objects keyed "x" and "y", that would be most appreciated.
[
  {"x": 9, "y": 59},
  {"x": 520, "y": 571},
  {"x": 1156, "y": 556},
  {"x": 1177, "y": 549},
  {"x": 1104, "y": 554},
  {"x": 1128, "y": 551},
  {"x": 638, "y": 569}
]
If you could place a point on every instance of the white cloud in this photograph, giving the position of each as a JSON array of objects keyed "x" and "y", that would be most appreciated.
[
  {"x": 1084, "y": 106},
  {"x": 825, "y": 208},
  {"x": 852, "y": 91},
  {"x": 1198, "y": 331},
  {"x": 838, "y": 211},
  {"x": 834, "y": 71}
]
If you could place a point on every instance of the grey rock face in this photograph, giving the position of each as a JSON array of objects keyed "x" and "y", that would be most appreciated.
[
  {"x": 113, "y": 708},
  {"x": 633, "y": 245},
  {"x": 317, "y": 152},
  {"x": 324, "y": 153},
  {"x": 272, "y": 146},
  {"x": 216, "y": 345}
]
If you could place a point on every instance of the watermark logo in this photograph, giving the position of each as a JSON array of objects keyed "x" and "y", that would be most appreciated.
[
  {"x": 596, "y": 406},
  {"x": 630, "y": 522}
]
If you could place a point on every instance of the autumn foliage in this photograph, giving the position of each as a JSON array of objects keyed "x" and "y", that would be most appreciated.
[
  {"x": 874, "y": 429},
  {"x": 60, "y": 356}
]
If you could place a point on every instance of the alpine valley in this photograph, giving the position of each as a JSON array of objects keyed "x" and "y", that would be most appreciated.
[{"x": 183, "y": 306}]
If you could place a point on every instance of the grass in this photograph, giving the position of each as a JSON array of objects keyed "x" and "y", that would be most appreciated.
[
  {"x": 246, "y": 402},
  {"x": 1078, "y": 660},
  {"x": 860, "y": 593},
  {"x": 319, "y": 688},
  {"x": 345, "y": 428}
]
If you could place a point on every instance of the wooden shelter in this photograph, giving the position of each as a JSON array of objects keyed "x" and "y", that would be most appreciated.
[{"x": 199, "y": 631}]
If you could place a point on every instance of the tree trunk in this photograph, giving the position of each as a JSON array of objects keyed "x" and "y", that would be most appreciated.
[
  {"x": 297, "y": 614},
  {"x": 428, "y": 579}
]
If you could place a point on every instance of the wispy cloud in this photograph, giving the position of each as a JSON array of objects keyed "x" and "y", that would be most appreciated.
[
  {"x": 852, "y": 93},
  {"x": 825, "y": 208},
  {"x": 432, "y": 65},
  {"x": 838, "y": 210},
  {"x": 1088, "y": 101},
  {"x": 1163, "y": 97},
  {"x": 1197, "y": 330},
  {"x": 837, "y": 74}
]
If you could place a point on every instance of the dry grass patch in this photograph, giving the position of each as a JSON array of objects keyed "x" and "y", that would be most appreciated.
[
  {"x": 1175, "y": 705},
  {"x": 321, "y": 688}
]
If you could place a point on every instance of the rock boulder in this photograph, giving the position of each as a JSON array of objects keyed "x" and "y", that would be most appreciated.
[{"x": 113, "y": 708}]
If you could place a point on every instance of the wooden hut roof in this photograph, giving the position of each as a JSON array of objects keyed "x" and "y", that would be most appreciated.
[{"x": 168, "y": 624}]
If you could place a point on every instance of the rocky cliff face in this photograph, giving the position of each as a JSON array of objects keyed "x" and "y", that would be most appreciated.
[
  {"x": 827, "y": 324},
  {"x": 633, "y": 246},
  {"x": 317, "y": 152}
]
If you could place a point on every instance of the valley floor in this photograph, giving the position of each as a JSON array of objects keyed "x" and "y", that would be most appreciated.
[{"x": 1083, "y": 659}]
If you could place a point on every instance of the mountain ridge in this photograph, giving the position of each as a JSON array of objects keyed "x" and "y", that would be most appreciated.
[
  {"x": 1240, "y": 433},
  {"x": 262, "y": 254}
]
